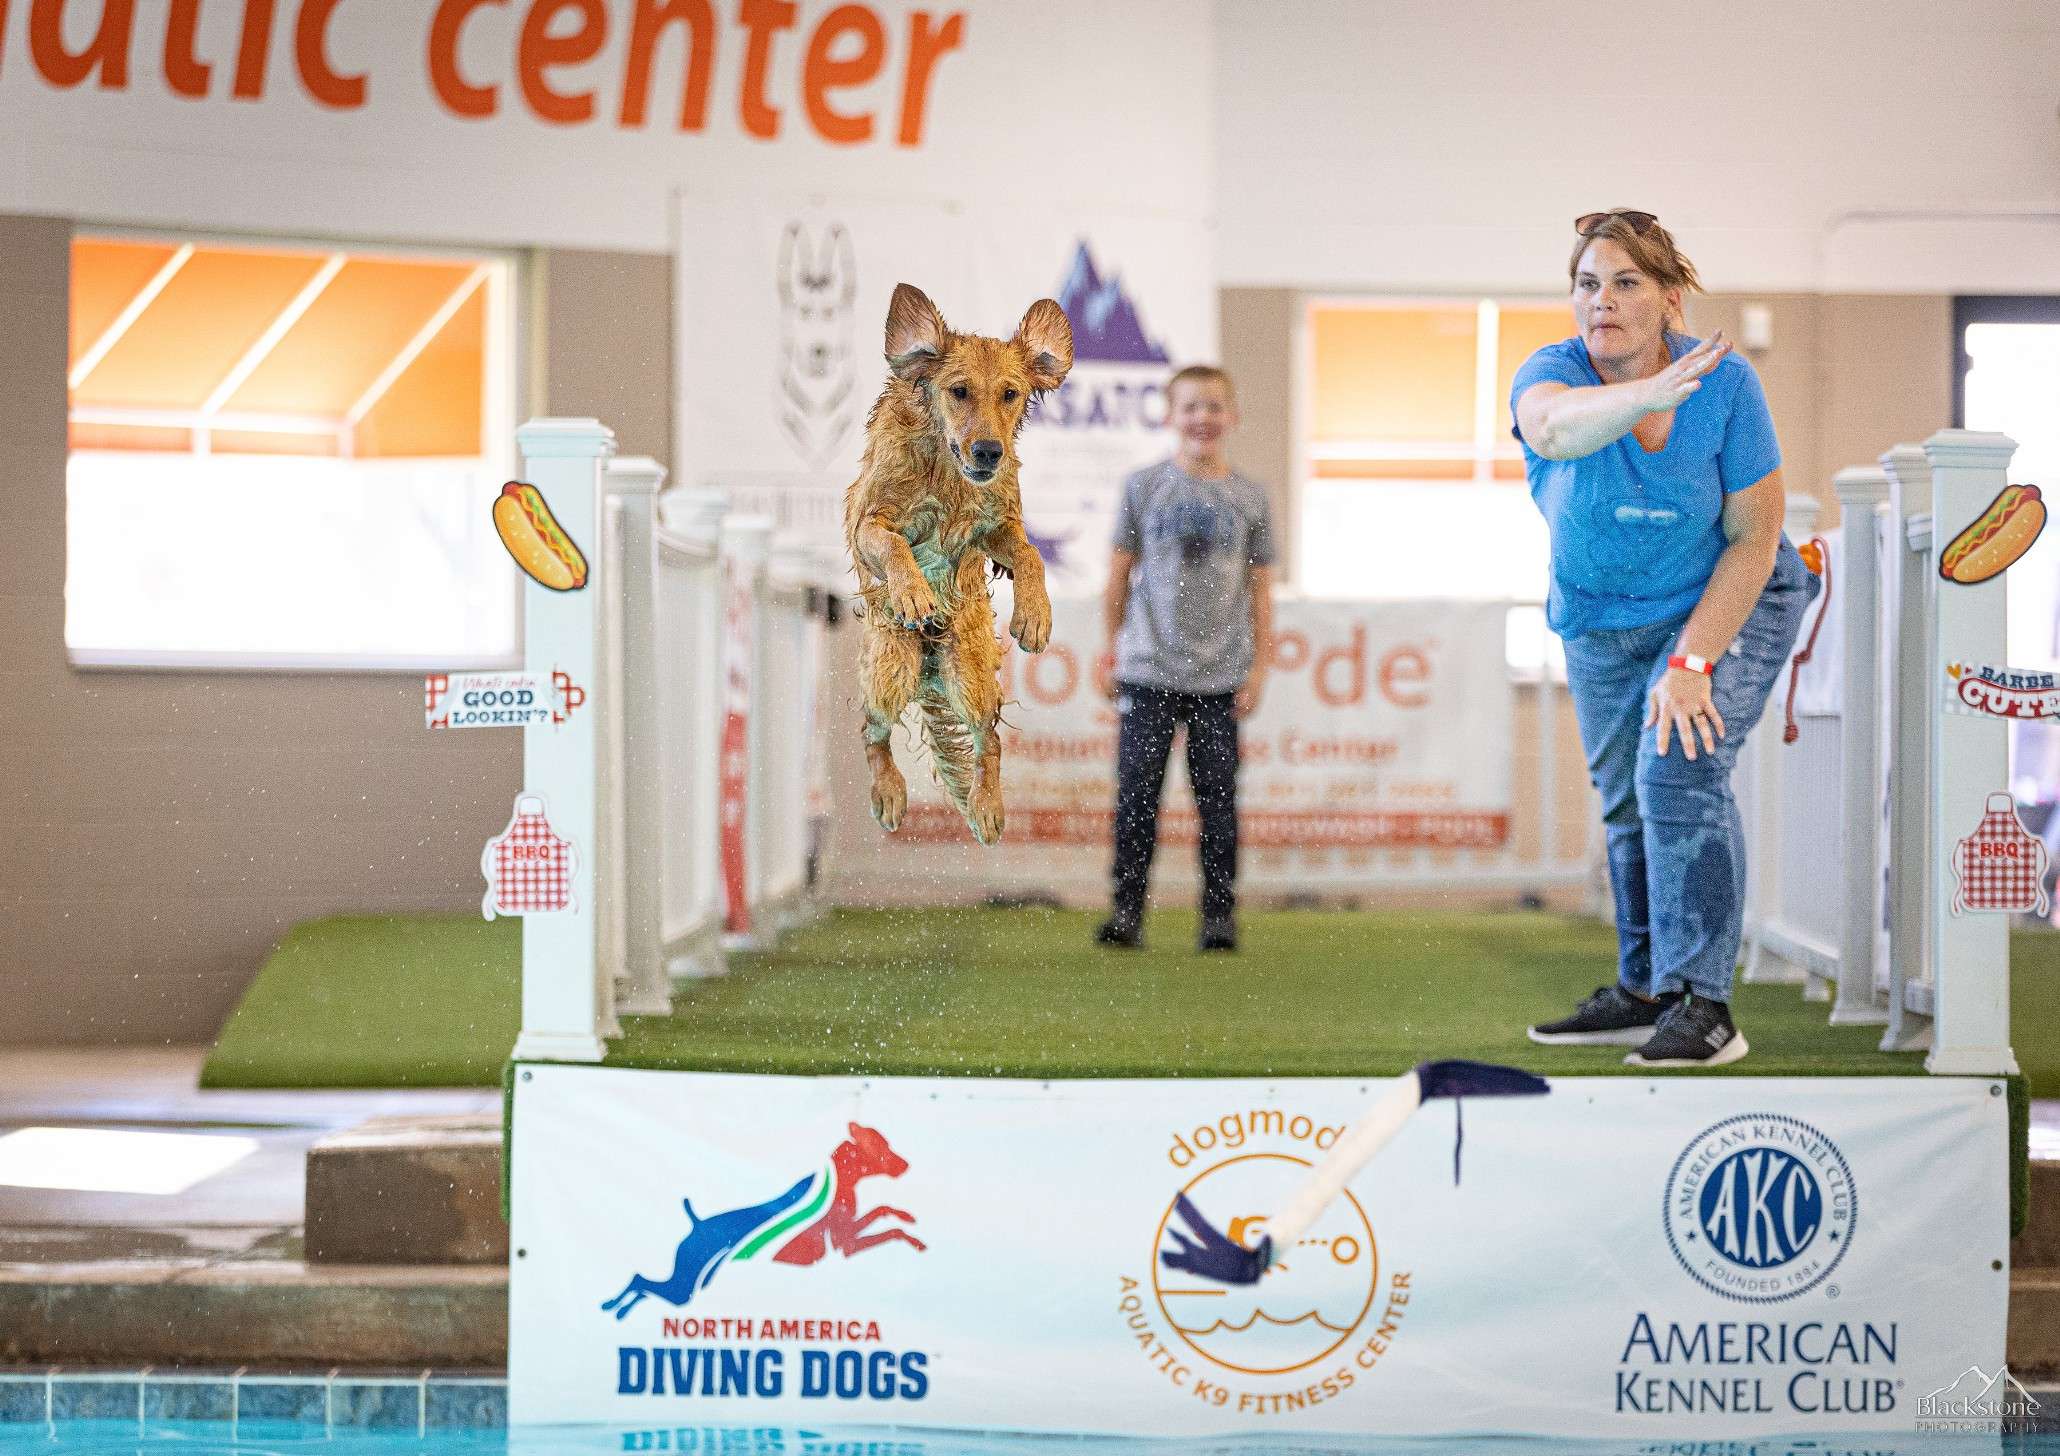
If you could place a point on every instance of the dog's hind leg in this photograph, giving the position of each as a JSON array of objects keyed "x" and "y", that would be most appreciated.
[
  {"x": 890, "y": 670},
  {"x": 969, "y": 676}
]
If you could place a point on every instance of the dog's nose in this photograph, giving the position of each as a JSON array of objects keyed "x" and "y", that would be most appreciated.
[{"x": 986, "y": 454}]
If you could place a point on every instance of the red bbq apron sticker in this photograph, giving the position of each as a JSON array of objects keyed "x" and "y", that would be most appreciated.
[
  {"x": 2001, "y": 865},
  {"x": 528, "y": 868}
]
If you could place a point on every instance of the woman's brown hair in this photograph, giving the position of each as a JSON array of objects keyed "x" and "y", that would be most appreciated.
[{"x": 1652, "y": 251}]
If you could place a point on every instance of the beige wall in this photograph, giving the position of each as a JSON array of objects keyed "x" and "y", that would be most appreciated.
[
  {"x": 1847, "y": 376},
  {"x": 1258, "y": 330},
  {"x": 163, "y": 830}
]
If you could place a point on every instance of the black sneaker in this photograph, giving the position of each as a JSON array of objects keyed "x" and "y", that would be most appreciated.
[
  {"x": 1696, "y": 1033},
  {"x": 1121, "y": 932},
  {"x": 1217, "y": 933},
  {"x": 1611, "y": 1017}
]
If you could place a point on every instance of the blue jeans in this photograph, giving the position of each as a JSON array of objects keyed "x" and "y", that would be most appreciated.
[{"x": 1676, "y": 846}]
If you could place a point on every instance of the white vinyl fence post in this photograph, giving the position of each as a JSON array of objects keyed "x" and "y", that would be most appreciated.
[
  {"x": 1861, "y": 491},
  {"x": 567, "y": 993},
  {"x": 1969, "y": 762},
  {"x": 642, "y": 987},
  {"x": 747, "y": 547},
  {"x": 690, "y": 667},
  {"x": 1910, "y": 707}
]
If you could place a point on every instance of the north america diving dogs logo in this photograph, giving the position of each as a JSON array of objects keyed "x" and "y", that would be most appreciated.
[
  {"x": 1760, "y": 1208},
  {"x": 817, "y": 1214}
]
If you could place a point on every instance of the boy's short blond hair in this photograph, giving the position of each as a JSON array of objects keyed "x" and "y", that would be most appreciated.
[{"x": 1201, "y": 374}]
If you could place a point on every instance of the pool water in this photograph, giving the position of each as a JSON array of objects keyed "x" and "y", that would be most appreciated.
[{"x": 256, "y": 1438}]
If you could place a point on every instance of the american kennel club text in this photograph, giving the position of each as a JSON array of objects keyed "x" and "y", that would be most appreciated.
[{"x": 1760, "y": 1209}]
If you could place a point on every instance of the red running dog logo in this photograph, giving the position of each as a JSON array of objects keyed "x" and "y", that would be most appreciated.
[{"x": 817, "y": 1214}]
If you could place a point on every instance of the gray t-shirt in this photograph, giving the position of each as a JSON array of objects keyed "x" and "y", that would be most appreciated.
[{"x": 1188, "y": 626}]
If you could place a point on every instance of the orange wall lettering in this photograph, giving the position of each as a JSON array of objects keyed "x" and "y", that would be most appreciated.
[
  {"x": 652, "y": 16},
  {"x": 311, "y": 51},
  {"x": 107, "y": 52},
  {"x": 925, "y": 48},
  {"x": 821, "y": 73},
  {"x": 446, "y": 29},
  {"x": 540, "y": 49}
]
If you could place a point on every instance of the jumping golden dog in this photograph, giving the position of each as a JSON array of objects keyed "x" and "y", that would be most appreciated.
[{"x": 935, "y": 501}]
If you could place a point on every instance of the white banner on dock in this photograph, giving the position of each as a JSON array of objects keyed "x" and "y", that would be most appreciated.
[{"x": 1626, "y": 1258}]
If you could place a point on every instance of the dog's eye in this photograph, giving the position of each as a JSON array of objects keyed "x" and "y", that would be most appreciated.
[
  {"x": 1008, "y": 396},
  {"x": 958, "y": 391}
]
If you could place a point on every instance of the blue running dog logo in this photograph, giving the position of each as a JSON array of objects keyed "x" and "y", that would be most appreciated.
[{"x": 817, "y": 1214}]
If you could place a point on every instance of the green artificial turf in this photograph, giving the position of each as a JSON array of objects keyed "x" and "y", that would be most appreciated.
[
  {"x": 378, "y": 1001},
  {"x": 410, "y": 1001}
]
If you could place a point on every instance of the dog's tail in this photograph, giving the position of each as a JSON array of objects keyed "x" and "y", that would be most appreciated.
[{"x": 951, "y": 745}]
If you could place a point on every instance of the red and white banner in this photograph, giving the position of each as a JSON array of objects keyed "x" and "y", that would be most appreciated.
[{"x": 1383, "y": 726}]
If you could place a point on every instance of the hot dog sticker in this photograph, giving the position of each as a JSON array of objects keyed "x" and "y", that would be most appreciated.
[
  {"x": 535, "y": 539},
  {"x": 1993, "y": 543}
]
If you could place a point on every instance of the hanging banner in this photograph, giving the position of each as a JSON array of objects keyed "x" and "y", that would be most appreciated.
[
  {"x": 1626, "y": 1257},
  {"x": 733, "y": 781},
  {"x": 781, "y": 310},
  {"x": 1383, "y": 725}
]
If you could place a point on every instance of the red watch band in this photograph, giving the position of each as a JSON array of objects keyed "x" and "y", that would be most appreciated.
[{"x": 1689, "y": 662}]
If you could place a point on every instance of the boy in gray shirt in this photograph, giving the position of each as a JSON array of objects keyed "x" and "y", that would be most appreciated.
[{"x": 1188, "y": 612}]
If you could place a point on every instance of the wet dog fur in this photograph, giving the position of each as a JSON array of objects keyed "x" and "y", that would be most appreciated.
[{"x": 936, "y": 500}]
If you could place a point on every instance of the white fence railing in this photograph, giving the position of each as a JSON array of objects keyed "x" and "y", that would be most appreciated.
[
  {"x": 1852, "y": 828},
  {"x": 634, "y": 777}
]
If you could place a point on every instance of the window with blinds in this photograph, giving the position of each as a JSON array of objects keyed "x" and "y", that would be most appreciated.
[
  {"x": 1416, "y": 487},
  {"x": 283, "y": 455}
]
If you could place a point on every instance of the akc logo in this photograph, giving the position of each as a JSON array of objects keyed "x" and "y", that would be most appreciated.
[{"x": 1760, "y": 1208}]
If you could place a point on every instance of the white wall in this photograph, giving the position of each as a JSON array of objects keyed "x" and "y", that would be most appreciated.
[
  {"x": 1069, "y": 102},
  {"x": 1793, "y": 145}
]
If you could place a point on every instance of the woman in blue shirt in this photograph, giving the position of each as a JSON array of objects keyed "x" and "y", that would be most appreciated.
[{"x": 1653, "y": 458}]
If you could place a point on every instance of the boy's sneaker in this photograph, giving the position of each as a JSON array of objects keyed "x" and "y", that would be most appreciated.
[
  {"x": 1611, "y": 1017},
  {"x": 1697, "y": 1032},
  {"x": 1217, "y": 934},
  {"x": 1121, "y": 932}
]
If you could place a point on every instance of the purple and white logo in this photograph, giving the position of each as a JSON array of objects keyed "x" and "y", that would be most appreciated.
[{"x": 1122, "y": 385}]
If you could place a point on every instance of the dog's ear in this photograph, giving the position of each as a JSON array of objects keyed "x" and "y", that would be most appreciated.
[
  {"x": 1046, "y": 339},
  {"x": 915, "y": 333}
]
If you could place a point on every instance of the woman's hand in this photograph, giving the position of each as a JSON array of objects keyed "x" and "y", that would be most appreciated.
[
  {"x": 1682, "y": 704},
  {"x": 1666, "y": 389}
]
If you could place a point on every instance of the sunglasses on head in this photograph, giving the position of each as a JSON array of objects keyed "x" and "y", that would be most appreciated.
[{"x": 1641, "y": 222}]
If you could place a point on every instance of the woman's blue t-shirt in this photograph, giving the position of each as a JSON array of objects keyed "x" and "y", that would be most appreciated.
[{"x": 1635, "y": 533}]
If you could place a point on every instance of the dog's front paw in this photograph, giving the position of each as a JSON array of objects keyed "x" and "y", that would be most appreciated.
[
  {"x": 1030, "y": 624},
  {"x": 913, "y": 603},
  {"x": 984, "y": 816},
  {"x": 890, "y": 798}
]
